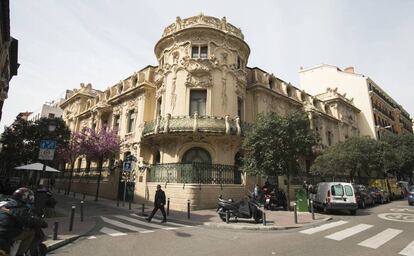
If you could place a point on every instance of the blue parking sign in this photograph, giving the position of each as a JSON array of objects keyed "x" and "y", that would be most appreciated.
[
  {"x": 47, "y": 144},
  {"x": 127, "y": 166}
]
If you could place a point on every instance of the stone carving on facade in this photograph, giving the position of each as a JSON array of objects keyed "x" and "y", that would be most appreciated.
[
  {"x": 224, "y": 93},
  {"x": 173, "y": 95},
  {"x": 202, "y": 81}
]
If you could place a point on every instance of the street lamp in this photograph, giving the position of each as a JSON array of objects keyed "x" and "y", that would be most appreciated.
[{"x": 51, "y": 128}]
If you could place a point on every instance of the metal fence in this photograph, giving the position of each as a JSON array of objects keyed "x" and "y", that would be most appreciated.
[
  {"x": 200, "y": 173},
  {"x": 85, "y": 175}
]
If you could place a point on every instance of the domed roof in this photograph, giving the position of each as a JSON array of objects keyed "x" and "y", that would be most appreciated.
[{"x": 203, "y": 21}]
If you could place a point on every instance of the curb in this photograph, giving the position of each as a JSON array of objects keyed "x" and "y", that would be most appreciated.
[
  {"x": 260, "y": 227},
  {"x": 60, "y": 243}
]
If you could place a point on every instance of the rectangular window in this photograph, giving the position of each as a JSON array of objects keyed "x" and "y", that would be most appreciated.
[
  {"x": 159, "y": 102},
  {"x": 240, "y": 107},
  {"x": 198, "y": 100},
  {"x": 337, "y": 190},
  {"x": 116, "y": 122},
  {"x": 203, "y": 52},
  {"x": 51, "y": 115},
  {"x": 199, "y": 51},
  {"x": 131, "y": 121}
]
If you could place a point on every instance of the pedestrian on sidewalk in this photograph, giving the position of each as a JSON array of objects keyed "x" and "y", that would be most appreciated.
[{"x": 159, "y": 203}]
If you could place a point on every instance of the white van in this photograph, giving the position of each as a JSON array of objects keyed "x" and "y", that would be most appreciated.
[{"x": 334, "y": 196}]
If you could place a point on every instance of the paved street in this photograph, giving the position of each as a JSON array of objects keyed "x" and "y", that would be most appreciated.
[{"x": 368, "y": 233}]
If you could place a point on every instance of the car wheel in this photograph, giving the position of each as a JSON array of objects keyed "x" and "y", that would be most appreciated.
[
  {"x": 325, "y": 209},
  {"x": 382, "y": 200},
  {"x": 352, "y": 212}
]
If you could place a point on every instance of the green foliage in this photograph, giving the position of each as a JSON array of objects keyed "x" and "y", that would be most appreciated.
[
  {"x": 20, "y": 141},
  {"x": 274, "y": 144},
  {"x": 355, "y": 157},
  {"x": 399, "y": 153}
]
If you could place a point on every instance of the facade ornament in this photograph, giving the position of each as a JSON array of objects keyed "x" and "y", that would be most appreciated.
[
  {"x": 224, "y": 93},
  {"x": 227, "y": 123},
  {"x": 173, "y": 96},
  {"x": 238, "y": 128},
  {"x": 167, "y": 123},
  {"x": 178, "y": 23},
  {"x": 157, "y": 125},
  {"x": 195, "y": 122}
]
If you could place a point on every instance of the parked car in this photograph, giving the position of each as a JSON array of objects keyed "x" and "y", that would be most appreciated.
[
  {"x": 411, "y": 196},
  {"x": 330, "y": 196},
  {"x": 380, "y": 196},
  {"x": 363, "y": 197}
]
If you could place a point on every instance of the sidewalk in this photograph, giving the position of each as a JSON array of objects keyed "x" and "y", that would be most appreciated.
[
  {"x": 64, "y": 235},
  {"x": 275, "y": 220}
]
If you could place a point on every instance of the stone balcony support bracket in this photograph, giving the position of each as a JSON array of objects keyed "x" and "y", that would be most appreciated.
[
  {"x": 227, "y": 122},
  {"x": 167, "y": 123},
  {"x": 238, "y": 126},
  {"x": 195, "y": 124}
]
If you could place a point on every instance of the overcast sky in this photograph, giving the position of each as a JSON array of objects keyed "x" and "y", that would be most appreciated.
[{"x": 63, "y": 43}]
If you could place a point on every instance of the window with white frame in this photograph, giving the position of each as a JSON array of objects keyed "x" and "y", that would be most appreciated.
[
  {"x": 198, "y": 99},
  {"x": 199, "y": 52},
  {"x": 131, "y": 121}
]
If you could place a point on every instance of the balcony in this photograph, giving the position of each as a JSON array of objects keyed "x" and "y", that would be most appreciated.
[
  {"x": 198, "y": 173},
  {"x": 194, "y": 124}
]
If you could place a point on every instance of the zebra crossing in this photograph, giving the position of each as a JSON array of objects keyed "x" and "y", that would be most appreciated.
[
  {"x": 373, "y": 242},
  {"x": 121, "y": 225}
]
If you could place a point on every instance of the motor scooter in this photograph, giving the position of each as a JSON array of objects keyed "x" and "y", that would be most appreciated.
[
  {"x": 246, "y": 208},
  {"x": 274, "y": 200}
]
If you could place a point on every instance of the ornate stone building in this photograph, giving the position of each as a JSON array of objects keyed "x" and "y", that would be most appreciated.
[
  {"x": 8, "y": 53},
  {"x": 185, "y": 118}
]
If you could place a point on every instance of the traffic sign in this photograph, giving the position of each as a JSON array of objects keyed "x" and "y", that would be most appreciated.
[
  {"x": 46, "y": 154},
  {"x": 127, "y": 167},
  {"x": 47, "y": 144}
]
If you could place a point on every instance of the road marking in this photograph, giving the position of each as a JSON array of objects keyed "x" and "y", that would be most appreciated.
[
  {"x": 170, "y": 223},
  {"x": 112, "y": 232},
  {"x": 323, "y": 227},
  {"x": 396, "y": 216},
  {"x": 380, "y": 238},
  {"x": 92, "y": 237},
  {"x": 338, "y": 236},
  {"x": 409, "y": 250},
  {"x": 125, "y": 226},
  {"x": 144, "y": 223}
]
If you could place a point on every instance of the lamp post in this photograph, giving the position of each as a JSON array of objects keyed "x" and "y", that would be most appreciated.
[{"x": 47, "y": 150}]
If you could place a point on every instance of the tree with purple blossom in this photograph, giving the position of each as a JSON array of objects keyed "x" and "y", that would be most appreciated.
[
  {"x": 99, "y": 146},
  {"x": 70, "y": 152}
]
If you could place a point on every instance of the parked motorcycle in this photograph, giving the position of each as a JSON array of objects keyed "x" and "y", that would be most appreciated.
[
  {"x": 247, "y": 209},
  {"x": 274, "y": 200}
]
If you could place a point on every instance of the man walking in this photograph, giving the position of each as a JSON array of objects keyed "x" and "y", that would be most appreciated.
[{"x": 159, "y": 204}]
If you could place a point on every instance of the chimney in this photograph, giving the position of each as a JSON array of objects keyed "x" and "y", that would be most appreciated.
[{"x": 349, "y": 70}]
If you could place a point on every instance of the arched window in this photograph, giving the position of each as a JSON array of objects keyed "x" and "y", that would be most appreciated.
[{"x": 196, "y": 155}]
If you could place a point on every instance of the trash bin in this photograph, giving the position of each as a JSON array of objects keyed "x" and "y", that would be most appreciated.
[{"x": 301, "y": 200}]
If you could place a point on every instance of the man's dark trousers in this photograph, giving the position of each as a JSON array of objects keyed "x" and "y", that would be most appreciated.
[{"x": 156, "y": 207}]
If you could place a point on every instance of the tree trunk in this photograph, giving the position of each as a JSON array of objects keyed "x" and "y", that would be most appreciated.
[
  {"x": 100, "y": 162},
  {"x": 72, "y": 166}
]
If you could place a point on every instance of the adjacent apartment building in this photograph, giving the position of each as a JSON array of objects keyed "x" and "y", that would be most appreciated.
[
  {"x": 379, "y": 112},
  {"x": 186, "y": 116},
  {"x": 8, "y": 53}
]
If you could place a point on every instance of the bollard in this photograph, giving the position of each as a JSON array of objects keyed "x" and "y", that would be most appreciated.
[
  {"x": 117, "y": 201},
  {"x": 295, "y": 212},
  {"x": 264, "y": 219},
  {"x": 72, "y": 218},
  {"x": 143, "y": 210},
  {"x": 83, "y": 197},
  {"x": 81, "y": 211},
  {"x": 55, "y": 230},
  {"x": 129, "y": 205},
  {"x": 312, "y": 210},
  {"x": 168, "y": 207},
  {"x": 58, "y": 190},
  {"x": 74, "y": 194},
  {"x": 227, "y": 216},
  {"x": 188, "y": 209}
]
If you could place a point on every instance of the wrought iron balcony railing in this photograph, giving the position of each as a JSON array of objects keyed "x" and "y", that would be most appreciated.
[
  {"x": 208, "y": 124},
  {"x": 200, "y": 173}
]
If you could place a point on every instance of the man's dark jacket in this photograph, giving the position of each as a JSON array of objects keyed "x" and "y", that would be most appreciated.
[{"x": 159, "y": 198}]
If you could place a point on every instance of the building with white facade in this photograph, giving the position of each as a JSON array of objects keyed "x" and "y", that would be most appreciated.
[{"x": 379, "y": 111}]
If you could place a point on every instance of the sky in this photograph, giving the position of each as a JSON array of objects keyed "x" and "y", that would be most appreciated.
[{"x": 65, "y": 43}]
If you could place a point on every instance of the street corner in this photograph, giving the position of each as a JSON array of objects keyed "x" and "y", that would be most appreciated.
[{"x": 64, "y": 236}]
